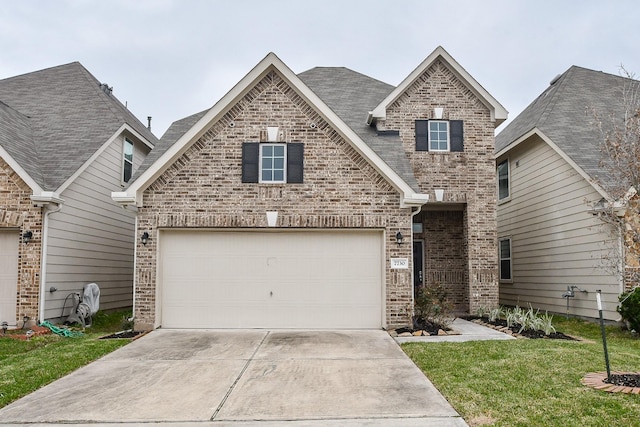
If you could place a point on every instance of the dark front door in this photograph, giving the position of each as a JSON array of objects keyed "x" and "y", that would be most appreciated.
[{"x": 418, "y": 265}]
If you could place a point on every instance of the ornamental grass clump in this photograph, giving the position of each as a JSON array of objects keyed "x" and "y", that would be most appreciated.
[{"x": 523, "y": 320}]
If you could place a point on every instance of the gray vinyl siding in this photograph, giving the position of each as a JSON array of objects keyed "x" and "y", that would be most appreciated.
[
  {"x": 91, "y": 239},
  {"x": 555, "y": 241}
]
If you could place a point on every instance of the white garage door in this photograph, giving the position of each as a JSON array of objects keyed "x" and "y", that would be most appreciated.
[
  {"x": 283, "y": 279},
  {"x": 8, "y": 275}
]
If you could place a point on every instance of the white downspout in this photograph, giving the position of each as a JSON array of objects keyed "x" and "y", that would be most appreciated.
[{"x": 43, "y": 258}]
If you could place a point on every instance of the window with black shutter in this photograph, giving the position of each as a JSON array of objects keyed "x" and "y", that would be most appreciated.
[
  {"x": 439, "y": 135},
  {"x": 272, "y": 163}
]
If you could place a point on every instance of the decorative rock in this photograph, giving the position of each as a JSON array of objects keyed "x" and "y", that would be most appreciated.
[
  {"x": 418, "y": 333},
  {"x": 441, "y": 332},
  {"x": 406, "y": 334},
  {"x": 393, "y": 333}
]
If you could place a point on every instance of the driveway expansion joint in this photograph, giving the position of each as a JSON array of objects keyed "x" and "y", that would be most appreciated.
[{"x": 244, "y": 369}]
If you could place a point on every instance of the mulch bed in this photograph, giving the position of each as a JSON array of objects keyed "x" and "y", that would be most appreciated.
[
  {"x": 24, "y": 335},
  {"x": 501, "y": 325},
  {"x": 618, "y": 382}
]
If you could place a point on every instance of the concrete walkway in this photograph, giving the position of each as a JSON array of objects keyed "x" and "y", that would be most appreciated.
[
  {"x": 216, "y": 378},
  {"x": 467, "y": 331}
]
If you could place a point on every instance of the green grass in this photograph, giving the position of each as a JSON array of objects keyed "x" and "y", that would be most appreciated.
[
  {"x": 25, "y": 366},
  {"x": 533, "y": 382}
]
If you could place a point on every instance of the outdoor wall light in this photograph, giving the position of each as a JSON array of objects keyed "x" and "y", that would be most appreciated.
[
  {"x": 26, "y": 236},
  {"x": 399, "y": 238},
  {"x": 144, "y": 238}
]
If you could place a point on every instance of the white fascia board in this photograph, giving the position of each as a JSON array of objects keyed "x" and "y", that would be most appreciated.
[
  {"x": 414, "y": 200},
  {"x": 498, "y": 113},
  {"x": 270, "y": 62},
  {"x": 85, "y": 165},
  {"x": 33, "y": 185},
  {"x": 561, "y": 153},
  {"x": 123, "y": 198},
  {"x": 46, "y": 198}
]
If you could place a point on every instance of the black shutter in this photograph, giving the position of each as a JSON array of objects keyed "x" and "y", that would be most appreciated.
[
  {"x": 456, "y": 135},
  {"x": 422, "y": 135},
  {"x": 295, "y": 162},
  {"x": 250, "y": 161}
]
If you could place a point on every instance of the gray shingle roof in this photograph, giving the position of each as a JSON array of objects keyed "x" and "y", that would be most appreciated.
[
  {"x": 352, "y": 96},
  {"x": 564, "y": 113},
  {"x": 171, "y": 135},
  {"x": 61, "y": 117},
  {"x": 349, "y": 94}
]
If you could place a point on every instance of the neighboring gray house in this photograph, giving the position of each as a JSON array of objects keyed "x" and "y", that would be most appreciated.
[
  {"x": 65, "y": 144},
  {"x": 548, "y": 167},
  {"x": 319, "y": 200}
]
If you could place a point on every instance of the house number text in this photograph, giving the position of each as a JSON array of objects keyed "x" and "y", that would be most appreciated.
[{"x": 399, "y": 263}]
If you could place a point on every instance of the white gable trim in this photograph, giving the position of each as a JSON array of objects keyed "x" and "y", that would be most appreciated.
[
  {"x": 561, "y": 153},
  {"x": 498, "y": 112},
  {"x": 98, "y": 153},
  {"x": 35, "y": 188},
  {"x": 270, "y": 63}
]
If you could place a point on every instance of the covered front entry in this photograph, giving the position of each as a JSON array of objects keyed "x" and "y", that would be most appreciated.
[
  {"x": 271, "y": 279},
  {"x": 9, "y": 241},
  {"x": 440, "y": 254}
]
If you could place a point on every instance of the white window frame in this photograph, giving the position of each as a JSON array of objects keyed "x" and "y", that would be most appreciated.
[
  {"x": 510, "y": 259},
  {"x": 438, "y": 122},
  {"x": 125, "y": 161},
  {"x": 284, "y": 166},
  {"x": 508, "y": 196}
]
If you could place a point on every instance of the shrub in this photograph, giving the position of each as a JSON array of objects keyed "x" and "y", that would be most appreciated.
[
  {"x": 432, "y": 305},
  {"x": 629, "y": 308}
]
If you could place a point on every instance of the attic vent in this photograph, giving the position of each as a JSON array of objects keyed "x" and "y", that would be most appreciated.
[
  {"x": 106, "y": 89},
  {"x": 555, "y": 80}
]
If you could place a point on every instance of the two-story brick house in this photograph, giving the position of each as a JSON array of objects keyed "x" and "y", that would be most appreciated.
[{"x": 319, "y": 200}]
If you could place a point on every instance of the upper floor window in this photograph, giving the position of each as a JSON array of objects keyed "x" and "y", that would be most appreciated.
[
  {"x": 503, "y": 180},
  {"x": 272, "y": 163},
  {"x": 439, "y": 135},
  {"x": 127, "y": 160}
]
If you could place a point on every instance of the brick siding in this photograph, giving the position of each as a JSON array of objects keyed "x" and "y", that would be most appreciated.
[
  {"x": 17, "y": 212},
  {"x": 341, "y": 190},
  {"x": 467, "y": 177}
]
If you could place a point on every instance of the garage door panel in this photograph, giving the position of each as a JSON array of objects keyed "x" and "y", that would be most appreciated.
[{"x": 283, "y": 279}]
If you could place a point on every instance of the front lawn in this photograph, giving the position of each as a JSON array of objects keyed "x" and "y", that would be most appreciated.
[
  {"x": 25, "y": 366},
  {"x": 529, "y": 382}
]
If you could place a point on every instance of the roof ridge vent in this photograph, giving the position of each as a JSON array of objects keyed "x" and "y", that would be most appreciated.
[
  {"x": 555, "y": 80},
  {"x": 106, "y": 88}
]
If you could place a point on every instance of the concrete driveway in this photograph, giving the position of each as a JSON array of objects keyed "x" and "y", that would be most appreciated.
[{"x": 244, "y": 378}]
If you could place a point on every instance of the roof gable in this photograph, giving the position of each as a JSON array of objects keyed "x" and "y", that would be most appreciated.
[
  {"x": 70, "y": 116},
  {"x": 564, "y": 114},
  {"x": 498, "y": 112},
  {"x": 271, "y": 63}
]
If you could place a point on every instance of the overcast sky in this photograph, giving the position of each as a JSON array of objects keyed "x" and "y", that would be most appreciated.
[{"x": 172, "y": 58}]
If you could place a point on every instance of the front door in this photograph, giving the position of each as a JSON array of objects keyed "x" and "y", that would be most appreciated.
[{"x": 418, "y": 265}]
